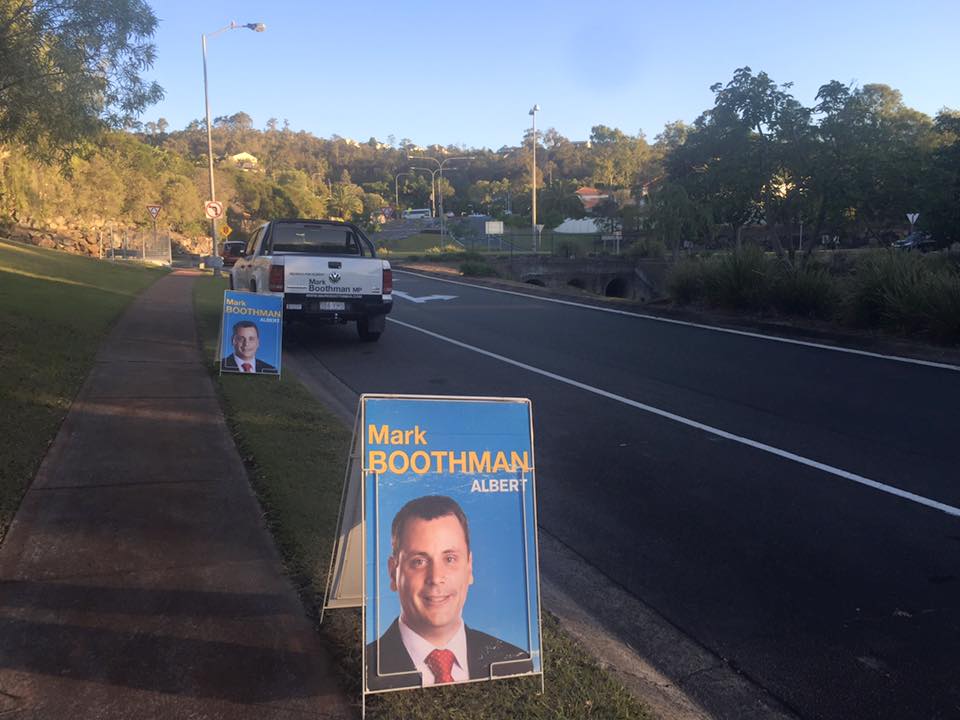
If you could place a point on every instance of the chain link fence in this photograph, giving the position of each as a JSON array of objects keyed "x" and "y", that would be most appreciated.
[{"x": 137, "y": 244}]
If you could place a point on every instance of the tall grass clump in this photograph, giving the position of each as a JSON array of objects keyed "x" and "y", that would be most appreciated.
[
  {"x": 906, "y": 293},
  {"x": 685, "y": 282},
  {"x": 739, "y": 280},
  {"x": 804, "y": 288}
]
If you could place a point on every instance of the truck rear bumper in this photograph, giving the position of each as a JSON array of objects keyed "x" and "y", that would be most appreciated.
[{"x": 333, "y": 310}]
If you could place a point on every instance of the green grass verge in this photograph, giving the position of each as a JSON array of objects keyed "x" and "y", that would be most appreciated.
[
  {"x": 411, "y": 243},
  {"x": 56, "y": 310},
  {"x": 297, "y": 453}
]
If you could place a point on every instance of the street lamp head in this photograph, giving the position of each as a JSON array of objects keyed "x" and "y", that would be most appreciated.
[
  {"x": 534, "y": 109},
  {"x": 256, "y": 27}
]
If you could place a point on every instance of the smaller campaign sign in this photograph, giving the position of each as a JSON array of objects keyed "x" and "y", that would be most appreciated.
[
  {"x": 450, "y": 571},
  {"x": 250, "y": 333}
]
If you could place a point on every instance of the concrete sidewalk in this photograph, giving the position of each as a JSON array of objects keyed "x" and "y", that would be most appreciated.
[{"x": 138, "y": 579}]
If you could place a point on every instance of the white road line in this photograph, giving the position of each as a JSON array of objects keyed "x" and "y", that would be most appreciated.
[
  {"x": 787, "y": 455},
  {"x": 714, "y": 328}
]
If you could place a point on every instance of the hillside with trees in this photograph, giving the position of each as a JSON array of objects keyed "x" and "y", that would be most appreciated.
[{"x": 73, "y": 155}]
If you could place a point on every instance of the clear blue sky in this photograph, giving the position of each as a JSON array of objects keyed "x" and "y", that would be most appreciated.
[{"x": 467, "y": 73}]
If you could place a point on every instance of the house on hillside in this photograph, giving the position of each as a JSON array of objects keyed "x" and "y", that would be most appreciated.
[
  {"x": 244, "y": 161},
  {"x": 590, "y": 197}
]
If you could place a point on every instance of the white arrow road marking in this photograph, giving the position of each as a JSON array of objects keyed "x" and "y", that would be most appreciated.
[{"x": 425, "y": 298}]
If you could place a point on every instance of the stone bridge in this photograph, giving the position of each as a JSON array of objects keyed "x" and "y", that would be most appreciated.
[{"x": 640, "y": 280}]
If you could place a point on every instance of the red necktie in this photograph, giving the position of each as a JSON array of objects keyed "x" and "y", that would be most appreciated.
[
  {"x": 441, "y": 662},
  {"x": 247, "y": 367}
]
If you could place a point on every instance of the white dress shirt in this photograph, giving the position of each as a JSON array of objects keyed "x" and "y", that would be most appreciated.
[
  {"x": 240, "y": 361},
  {"x": 418, "y": 649}
]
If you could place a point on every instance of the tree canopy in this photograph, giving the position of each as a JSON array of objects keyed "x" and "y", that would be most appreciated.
[{"x": 70, "y": 68}]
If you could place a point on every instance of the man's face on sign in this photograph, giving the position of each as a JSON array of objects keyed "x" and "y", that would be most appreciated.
[
  {"x": 431, "y": 573},
  {"x": 246, "y": 340}
]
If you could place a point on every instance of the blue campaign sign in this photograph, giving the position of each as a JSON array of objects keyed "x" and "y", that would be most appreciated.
[
  {"x": 250, "y": 333},
  {"x": 451, "y": 588}
]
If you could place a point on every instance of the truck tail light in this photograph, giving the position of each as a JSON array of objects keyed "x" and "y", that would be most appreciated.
[
  {"x": 387, "y": 281},
  {"x": 276, "y": 278}
]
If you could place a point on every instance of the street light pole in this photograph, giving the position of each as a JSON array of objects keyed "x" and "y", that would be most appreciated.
[
  {"x": 396, "y": 190},
  {"x": 533, "y": 169},
  {"x": 440, "y": 165},
  {"x": 433, "y": 185},
  {"x": 256, "y": 27}
]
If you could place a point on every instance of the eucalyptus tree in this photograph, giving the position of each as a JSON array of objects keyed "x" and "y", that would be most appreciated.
[{"x": 71, "y": 68}]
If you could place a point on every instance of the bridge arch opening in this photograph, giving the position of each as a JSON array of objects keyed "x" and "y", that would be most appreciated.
[
  {"x": 577, "y": 283},
  {"x": 617, "y": 288}
]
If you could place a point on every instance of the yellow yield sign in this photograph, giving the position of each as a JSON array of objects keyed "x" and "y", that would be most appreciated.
[{"x": 225, "y": 230}]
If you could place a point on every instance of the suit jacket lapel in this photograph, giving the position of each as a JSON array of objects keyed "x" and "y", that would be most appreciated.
[{"x": 394, "y": 655}]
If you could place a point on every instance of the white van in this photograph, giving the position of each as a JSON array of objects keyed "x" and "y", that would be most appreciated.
[{"x": 417, "y": 214}]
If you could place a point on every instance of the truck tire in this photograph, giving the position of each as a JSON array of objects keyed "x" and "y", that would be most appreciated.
[{"x": 370, "y": 331}]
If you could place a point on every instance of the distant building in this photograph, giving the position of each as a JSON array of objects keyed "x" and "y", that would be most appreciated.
[
  {"x": 583, "y": 226},
  {"x": 590, "y": 197},
  {"x": 244, "y": 161}
]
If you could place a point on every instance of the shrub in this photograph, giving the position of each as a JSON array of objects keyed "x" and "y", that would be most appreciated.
[
  {"x": 806, "y": 288},
  {"x": 685, "y": 282},
  {"x": 738, "y": 280},
  {"x": 907, "y": 292},
  {"x": 936, "y": 301},
  {"x": 477, "y": 269},
  {"x": 445, "y": 250},
  {"x": 878, "y": 277},
  {"x": 650, "y": 248}
]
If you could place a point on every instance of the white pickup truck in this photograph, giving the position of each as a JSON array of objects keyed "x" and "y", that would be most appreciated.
[{"x": 326, "y": 271}]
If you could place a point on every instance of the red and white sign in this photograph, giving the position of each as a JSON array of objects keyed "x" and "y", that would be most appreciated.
[
  {"x": 154, "y": 210},
  {"x": 213, "y": 209}
]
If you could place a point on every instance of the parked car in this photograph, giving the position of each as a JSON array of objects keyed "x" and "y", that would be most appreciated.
[
  {"x": 326, "y": 272},
  {"x": 231, "y": 250},
  {"x": 919, "y": 241}
]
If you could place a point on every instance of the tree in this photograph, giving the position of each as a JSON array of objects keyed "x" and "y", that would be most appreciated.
[
  {"x": 674, "y": 217},
  {"x": 70, "y": 68},
  {"x": 558, "y": 201},
  {"x": 346, "y": 199},
  {"x": 940, "y": 211}
]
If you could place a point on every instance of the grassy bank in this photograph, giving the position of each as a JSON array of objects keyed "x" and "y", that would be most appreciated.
[
  {"x": 56, "y": 309},
  {"x": 297, "y": 452},
  {"x": 903, "y": 293}
]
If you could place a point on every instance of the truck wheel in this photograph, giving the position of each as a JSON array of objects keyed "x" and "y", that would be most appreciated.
[{"x": 369, "y": 332}]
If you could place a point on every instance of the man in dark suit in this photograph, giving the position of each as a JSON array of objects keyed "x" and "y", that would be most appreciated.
[
  {"x": 245, "y": 340},
  {"x": 431, "y": 568}
]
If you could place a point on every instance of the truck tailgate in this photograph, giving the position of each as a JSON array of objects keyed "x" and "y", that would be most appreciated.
[{"x": 344, "y": 277}]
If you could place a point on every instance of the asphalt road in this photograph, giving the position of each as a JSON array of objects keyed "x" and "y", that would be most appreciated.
[{"x": 791, "y": 508}]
